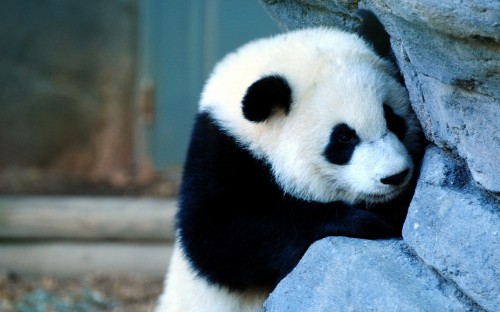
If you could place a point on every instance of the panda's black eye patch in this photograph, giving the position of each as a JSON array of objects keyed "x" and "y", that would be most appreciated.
[
  {"x": 395, "y": 123},
  {"x": 343, "y": 140}
]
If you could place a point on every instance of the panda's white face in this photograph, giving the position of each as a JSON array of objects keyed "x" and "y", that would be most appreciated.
[
  {"x": 336, "y": 141},
  {"x": 346, "y": 131}
]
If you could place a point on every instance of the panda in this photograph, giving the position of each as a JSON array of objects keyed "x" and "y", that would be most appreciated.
[{"x": 300, "y": 136}]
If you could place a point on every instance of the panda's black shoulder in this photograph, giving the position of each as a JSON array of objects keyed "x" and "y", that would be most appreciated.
[
  {"x": 218, "y": 165},
  {"x": 227, "y": 193}
]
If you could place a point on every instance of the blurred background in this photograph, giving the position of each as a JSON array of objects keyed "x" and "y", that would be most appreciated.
[{"x": 97, "y": 100}]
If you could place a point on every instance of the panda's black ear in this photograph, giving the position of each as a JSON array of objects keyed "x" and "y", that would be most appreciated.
[
  {"x": 264, "y": 96},
  {"x": 373, "y": 32}
]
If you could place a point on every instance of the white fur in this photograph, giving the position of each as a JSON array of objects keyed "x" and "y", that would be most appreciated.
[
  {"x": 185, "y": 292},
  {"x": 335, "y": 78}
]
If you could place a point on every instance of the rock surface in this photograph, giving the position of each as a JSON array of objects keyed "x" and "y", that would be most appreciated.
[
  {"x": 454, "y": 228},
  {"x": 449, "y": 55},
  {"x": 345, "y": 274}
]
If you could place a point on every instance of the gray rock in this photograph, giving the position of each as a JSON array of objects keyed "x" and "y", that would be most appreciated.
[
  {"x": 291, "y": 14},
  {"x": 346, "y": 274},
  {"x": 465, "y": 123},
  {"x": 478, "y": 19},
  {"x": 454, "y": 227}
]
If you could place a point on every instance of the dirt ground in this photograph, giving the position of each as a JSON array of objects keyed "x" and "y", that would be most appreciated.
[{"x": 89, "y": 293}]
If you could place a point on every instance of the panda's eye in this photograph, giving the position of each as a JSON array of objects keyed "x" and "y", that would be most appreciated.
[
  {"x": 345, "y": 135},
  {"x": 345, "y": 138}
]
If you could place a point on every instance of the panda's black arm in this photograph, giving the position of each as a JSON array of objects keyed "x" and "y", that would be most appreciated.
[{"x": 233, "y": 244}]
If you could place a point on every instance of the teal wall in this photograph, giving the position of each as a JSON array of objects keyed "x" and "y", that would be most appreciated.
[
  {"x": 63, "y": 66},
  {"x": 180, "y": 42}
]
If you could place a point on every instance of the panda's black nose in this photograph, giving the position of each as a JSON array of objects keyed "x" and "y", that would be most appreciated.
[{"x": 395, "y": 179}]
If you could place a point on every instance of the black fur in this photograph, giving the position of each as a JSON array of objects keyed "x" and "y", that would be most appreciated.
[
  {"x": 396, "y": 179},
  {"x": 264, "y": 95},
  {"x": 239, "y": 229},
  {"x": 395, "y": 123},
  {"x": 373, "y": 32},
  {"x": 343, "y": 141}
]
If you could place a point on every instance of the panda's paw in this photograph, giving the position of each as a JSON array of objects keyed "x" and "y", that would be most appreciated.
[{"x": 364, "y": 224}]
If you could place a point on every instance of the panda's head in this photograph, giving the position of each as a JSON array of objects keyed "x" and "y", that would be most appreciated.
[{"x": 323, "y": 110}]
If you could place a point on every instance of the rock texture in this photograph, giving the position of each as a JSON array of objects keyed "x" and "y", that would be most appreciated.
[
  {"x": 453, "y": 227},
  {"x": 344, "y": 274},
  {"x": 449, "y": 55}
]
